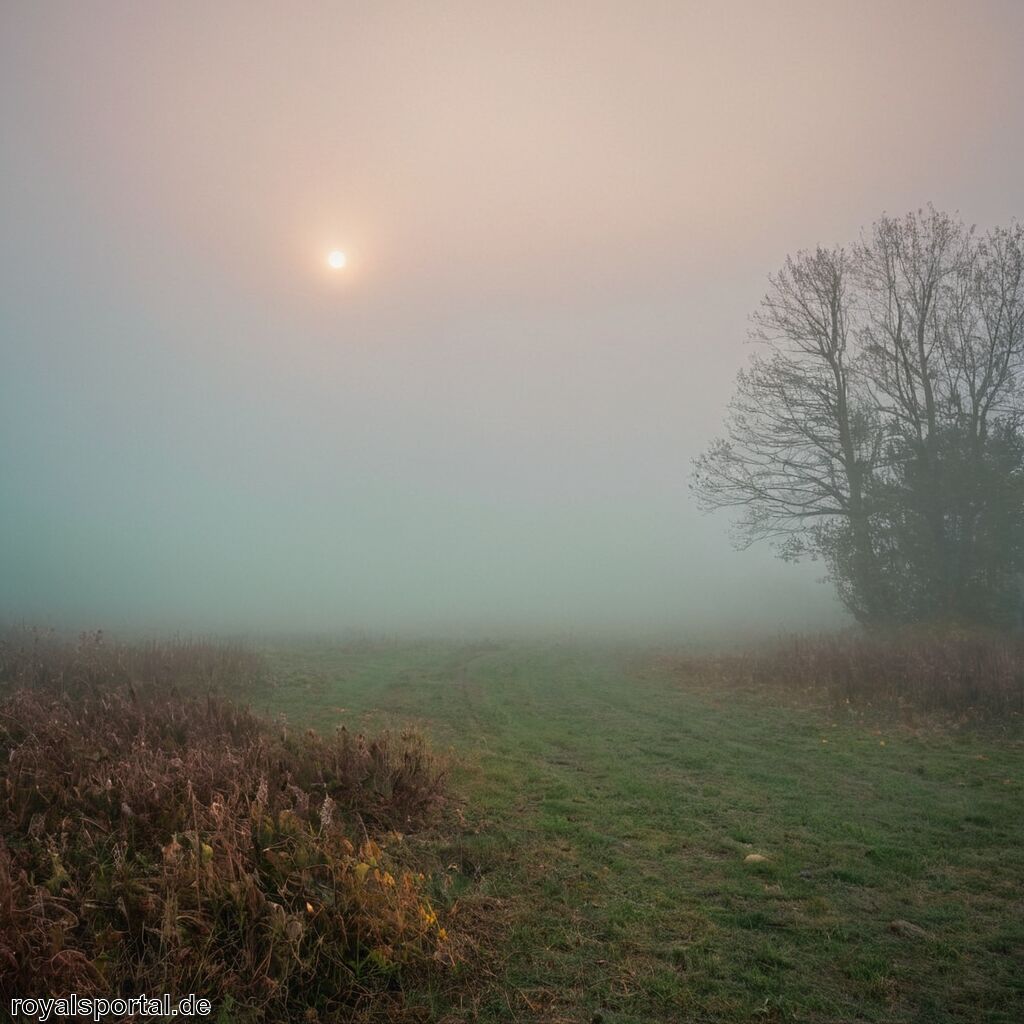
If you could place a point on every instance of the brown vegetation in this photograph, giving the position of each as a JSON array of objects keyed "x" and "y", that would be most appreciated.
[
  {"x": 155, "y": 839},
  {"x": 965, "y": 674},
  {"x": 45, "y": 659}
]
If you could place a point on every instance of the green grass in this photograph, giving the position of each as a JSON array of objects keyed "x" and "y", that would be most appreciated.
[{"x": 609, "y": 810}]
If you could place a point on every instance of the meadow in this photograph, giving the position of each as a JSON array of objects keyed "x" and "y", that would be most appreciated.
[
  {"x": 598, "y": 863},
  {"x": 517, "y": 831}
]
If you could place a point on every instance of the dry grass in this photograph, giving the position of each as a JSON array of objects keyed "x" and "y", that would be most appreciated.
[
  {"x": 45, "y": 659},
  {"x": 158, "y": 840},
  {"x": 949, "y": 674}
]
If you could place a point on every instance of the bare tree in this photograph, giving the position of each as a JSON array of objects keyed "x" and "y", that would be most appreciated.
[{"x": 878, "y": 425}]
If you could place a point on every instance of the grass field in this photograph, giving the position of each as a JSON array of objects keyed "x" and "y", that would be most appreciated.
[{"x": 609, "y": 808}]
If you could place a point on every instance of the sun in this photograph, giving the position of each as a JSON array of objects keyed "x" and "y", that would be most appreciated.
[{"x": 336, "y": 259}]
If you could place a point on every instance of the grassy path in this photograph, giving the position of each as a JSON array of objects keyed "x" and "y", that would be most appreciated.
[{"x": 611, "y": 811}]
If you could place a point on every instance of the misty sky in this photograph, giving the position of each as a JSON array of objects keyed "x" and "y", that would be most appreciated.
[{"x": 558, "y": 218}]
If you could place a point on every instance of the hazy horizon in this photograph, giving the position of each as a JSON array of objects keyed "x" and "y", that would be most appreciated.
[{"x": 558, "y": 219}]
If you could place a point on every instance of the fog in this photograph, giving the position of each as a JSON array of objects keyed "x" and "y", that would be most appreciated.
[{"x": 557, "y": 217}]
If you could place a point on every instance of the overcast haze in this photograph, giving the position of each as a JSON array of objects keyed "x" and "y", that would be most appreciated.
[{"x": 558, "y": 218}]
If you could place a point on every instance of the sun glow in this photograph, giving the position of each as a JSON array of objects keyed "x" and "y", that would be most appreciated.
[{"x": 336, "y": 259}]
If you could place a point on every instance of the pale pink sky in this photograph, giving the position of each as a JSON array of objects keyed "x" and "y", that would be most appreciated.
[{"x": 558, "y": 218}]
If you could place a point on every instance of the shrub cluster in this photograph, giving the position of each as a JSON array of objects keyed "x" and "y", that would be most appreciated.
[{"x": 153, "y": 840}]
